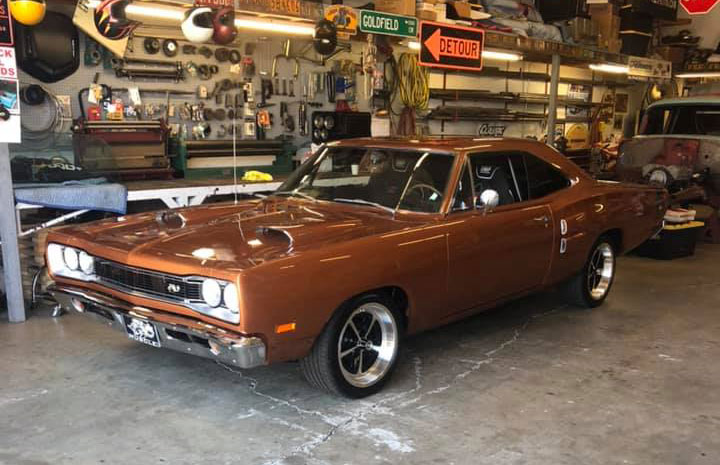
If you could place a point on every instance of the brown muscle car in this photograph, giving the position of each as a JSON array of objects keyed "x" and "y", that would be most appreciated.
[{"x": 368, "y": 241}]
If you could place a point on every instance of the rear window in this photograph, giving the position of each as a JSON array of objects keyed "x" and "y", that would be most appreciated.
[{"x": 701, "y": 120}]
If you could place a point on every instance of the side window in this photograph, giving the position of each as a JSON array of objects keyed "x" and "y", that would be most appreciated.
[
  {"x": 543, "y": 178},
  {"x": 498, "y": 171},
  {"x": 464, "y": 192}
]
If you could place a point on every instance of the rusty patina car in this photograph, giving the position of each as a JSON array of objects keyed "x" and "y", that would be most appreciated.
[
  {"x": 368, "y": 241},
  {"x": 678, "y": 140}
]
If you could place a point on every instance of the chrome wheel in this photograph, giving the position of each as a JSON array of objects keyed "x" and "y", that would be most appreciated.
[
  {"x": 367, "y": 345},
  {"x": 600, "y": 271}
]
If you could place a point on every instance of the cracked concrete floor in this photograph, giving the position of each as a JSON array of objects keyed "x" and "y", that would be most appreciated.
[{"x": 533, "y": 382}]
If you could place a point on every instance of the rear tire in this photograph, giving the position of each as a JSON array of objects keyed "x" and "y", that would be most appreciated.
[
  {"x": 591, "y": 286},
  {"x": 357, "y": 351}
]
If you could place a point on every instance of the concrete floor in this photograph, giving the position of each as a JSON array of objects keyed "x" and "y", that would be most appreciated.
[{"x": 535, "y": 382}]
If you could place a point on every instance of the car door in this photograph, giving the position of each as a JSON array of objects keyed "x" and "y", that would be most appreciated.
[{"x": 497, "y": 254}]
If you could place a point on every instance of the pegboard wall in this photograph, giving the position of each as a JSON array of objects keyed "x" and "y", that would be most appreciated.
[{"x": 264, "y": 49}]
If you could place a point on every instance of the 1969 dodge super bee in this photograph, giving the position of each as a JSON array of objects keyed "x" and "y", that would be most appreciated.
[{"x": 368, "y": 241}]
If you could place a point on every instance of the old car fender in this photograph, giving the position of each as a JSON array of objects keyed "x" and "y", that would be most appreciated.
[{"x": 317, "y": 283}]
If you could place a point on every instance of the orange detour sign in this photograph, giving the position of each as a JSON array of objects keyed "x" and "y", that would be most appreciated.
[{"x": 451, "y": 47}]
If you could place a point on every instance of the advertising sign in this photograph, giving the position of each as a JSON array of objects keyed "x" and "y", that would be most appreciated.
[
  {"x": 451, "y": 47},
  {"x": 375, "y": 22},
  {"x": 646, "y": 68},
  {"x": 6, "y": 32},
  {"x": 345, "y": 19},
  {"x": 9, "y": 97}
]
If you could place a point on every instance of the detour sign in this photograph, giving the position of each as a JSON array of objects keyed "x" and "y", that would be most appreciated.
[{"x": 451, "y": 47}]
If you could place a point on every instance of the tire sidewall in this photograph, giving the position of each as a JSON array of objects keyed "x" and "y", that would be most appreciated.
[
  {"x": 335, "y": 328},
  {"x": 589, "y": 300}
]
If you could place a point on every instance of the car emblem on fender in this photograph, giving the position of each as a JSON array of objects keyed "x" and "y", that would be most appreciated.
[{"x": 173, "y": 288}]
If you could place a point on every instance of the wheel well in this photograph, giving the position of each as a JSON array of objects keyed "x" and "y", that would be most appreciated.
[
  {"x": 616, "y": 237},
  {"x": 397, "y": 296}
]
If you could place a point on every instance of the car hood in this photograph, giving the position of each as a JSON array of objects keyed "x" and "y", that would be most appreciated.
[{"x": 228, "y": 237}]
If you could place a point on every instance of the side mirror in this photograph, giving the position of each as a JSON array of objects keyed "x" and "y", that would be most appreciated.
[{"x": 488, "y": 201}]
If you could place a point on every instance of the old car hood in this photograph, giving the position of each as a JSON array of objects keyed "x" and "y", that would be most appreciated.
[{"x": 232, "y": 237}]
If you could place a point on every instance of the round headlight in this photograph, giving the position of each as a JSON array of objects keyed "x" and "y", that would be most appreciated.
[
  {"x": 87, "y": 263},
  {"x": 211, "y": 292},
  {"x": 230, "y": 296},
  {"x": 55, "y": 260},
  {"x": 70, "y": 256}
]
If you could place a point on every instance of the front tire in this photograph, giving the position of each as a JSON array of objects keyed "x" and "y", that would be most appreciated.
[
  {"x": 591, "y": 286},
  {"x": 358, "y": 349}
]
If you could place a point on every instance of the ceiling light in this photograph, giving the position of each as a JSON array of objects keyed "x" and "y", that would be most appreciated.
[
  {"x": 611, "y": 68},
  {"x": 137, "y": 12},
  {"x": 486, "y": 54},
  {"x": 501, "y": 56},
  {"x": 275, "y": 26},
  {"x": 699, "y": 74}
]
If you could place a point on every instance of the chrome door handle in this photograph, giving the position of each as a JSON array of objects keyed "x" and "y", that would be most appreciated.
[{"x": 542, "y": 219}]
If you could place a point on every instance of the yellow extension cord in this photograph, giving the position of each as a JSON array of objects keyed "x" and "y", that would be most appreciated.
[{"x": 413, "y": 82}]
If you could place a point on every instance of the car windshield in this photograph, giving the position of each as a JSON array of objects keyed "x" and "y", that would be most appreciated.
[
  {"x": 683, "y": 120},
  {"x": 384, "y": 178}
]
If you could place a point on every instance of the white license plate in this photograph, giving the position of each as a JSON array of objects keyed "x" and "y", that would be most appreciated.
[{"x": 142, "y": 331}]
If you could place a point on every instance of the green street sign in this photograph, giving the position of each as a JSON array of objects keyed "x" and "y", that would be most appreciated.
[{"x": 374, "y": 22}]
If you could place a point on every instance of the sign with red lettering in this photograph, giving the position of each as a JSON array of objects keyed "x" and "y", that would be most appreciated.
[
  {"x": 215, "y": 3},
  {"x": 9, "y": 93},
  {"x": 6, "y": 32},
  {"x": 698, "y": 7},
  {"x": 451, "y": 47}
]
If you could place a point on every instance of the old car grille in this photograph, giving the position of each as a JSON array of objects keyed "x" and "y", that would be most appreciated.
[{"x": 150, "y": 283}]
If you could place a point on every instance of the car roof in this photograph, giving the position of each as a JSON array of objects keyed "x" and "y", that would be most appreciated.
[
  {"x": 434, "y": 143},
  {"x": 679, "y": 101}
]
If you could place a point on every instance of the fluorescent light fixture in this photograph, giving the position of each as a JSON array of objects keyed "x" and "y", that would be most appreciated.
[
  {"x": 611, "y": 68},
  {"x": 268, "y": 25},
  {"x": 501, "y": 56},
  {"x": 486, "y": 54},
  {"x": 136, "y": 11},
  {"x": 699, "y": 74}
]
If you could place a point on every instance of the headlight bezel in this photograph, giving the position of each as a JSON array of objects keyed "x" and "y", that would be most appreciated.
[{"x": 64, "y": 261}]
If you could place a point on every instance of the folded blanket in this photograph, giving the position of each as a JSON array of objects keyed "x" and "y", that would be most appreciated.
[{"x": 75, "y": 195}]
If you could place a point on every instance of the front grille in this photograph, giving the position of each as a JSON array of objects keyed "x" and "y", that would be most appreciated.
[{"x": 165, "y": 286}]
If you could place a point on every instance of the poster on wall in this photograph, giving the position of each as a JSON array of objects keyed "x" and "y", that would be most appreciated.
[
  {"x": 9, "y": 97},
  {"x": 582, "y": 93},
  {"x": 6, "y": 32}
]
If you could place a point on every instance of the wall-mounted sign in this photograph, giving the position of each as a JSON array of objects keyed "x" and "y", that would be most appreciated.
[
  {"x": 297, "y": 8},
  {"x": 345, "y": 19},
  {"x": 6, "y": 32},
  {"x": 698, "y": 7},
  {"x": 215, "y": 3},
  {"x": 9, "y": 91},
  {"x": 374, "y": 22},
  {"x": 491, "y": 130},
  {"x": 646, "y": 68},
  {"x": 451, "y": 47}
]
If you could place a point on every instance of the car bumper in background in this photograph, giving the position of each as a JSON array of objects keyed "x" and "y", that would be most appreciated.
[{"x": 174, "y": 332}]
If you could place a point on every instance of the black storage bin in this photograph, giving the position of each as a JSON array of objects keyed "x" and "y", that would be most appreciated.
[
  {"x": 673, "y": 242},
  {"x": 636, "y": 44},
  {"x": 635, "y": 21},
  {"x": 659, "y": 9},
  {"x": 555, "y": 10}
]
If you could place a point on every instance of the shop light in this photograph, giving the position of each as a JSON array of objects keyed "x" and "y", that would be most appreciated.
[
  {"x": 137, "y": 12},
  {"x": 700, "y": 74},
  {"x": 610, "y": 68},
  {"x": 486, "y": 54},
  {"x": 267, "y": 25}
]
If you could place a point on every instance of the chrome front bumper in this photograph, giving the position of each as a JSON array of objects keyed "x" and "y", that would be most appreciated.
[{"x": 176, "y": 332}]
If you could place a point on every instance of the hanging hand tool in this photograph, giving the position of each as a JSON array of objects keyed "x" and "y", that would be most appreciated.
[
  {"x": 291, "y": 92},
  {"x": 287, "y": 120},
  {"x": 330, "y": 86},
  {"x": 266, "y": 92},
  {"x": 284, "y": 88},
  {"x": 302, "y": 119}
]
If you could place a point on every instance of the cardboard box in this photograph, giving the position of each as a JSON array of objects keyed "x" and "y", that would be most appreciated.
[
  {"x": 606, "y": 19},
  {"x": 675, "y": 55},
  {"x": 398, "y": 7}
]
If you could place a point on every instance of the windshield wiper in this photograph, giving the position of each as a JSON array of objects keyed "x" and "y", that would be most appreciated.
[
  {"x": 296, "y": 194},
  {"x": 365, "y": 202}
]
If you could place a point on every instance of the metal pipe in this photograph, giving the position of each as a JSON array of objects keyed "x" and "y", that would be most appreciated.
[{"x": 552, "y": 104}]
